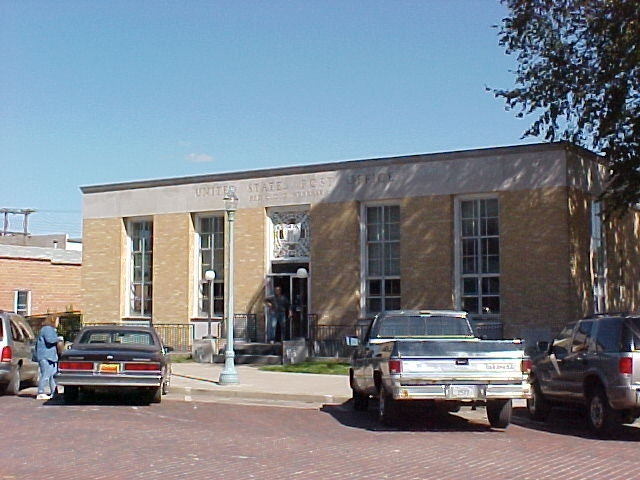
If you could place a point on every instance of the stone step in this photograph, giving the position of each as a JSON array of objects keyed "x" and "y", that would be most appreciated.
[{"x": 243, "y": 359}]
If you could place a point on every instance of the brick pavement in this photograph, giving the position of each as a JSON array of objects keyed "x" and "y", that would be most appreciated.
[
  {"x": 203, "y": 430},
  {"x": 110, "y": 438}
]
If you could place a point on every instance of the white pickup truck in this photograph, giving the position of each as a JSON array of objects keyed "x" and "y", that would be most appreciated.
[{"x": 433, "y": 356}]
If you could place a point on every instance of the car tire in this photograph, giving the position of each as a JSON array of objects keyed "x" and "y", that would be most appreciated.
[
  {"x": 387, "y": 407},
  {"x": 13, "y": 387},
  {"x": 156, "y": 395},
  {"x": 33, "y": 381},
  {"x": 71, "y": 394},
  {"x": 601, "y": 418},
  {"x": 360, "y": 401},
  {"x": 538, "y": 406},
  {"x": 499, "y": 412}
]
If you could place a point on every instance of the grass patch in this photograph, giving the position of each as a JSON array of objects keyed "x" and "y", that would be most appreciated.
[
  {"x": 325, "y": 367},
  {"x": 180, "y": 357}
]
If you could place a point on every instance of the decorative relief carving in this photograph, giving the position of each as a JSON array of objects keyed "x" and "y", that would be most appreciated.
[{"x": 291, "y": 235}]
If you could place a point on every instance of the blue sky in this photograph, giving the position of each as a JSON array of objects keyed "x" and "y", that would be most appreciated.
[{"x": 96, "y": 92}]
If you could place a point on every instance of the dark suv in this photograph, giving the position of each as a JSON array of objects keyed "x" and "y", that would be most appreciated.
[
  {"x": 592, "y": 363},
  {"x": 17, "y": 342}
]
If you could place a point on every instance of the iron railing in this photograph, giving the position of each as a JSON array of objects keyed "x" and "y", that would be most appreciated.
[
  {"x": 329, "y": 340},
  {"x": 245, "y": 327}
]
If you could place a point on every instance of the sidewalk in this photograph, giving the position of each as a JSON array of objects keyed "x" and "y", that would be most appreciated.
[
  {"x": 193, "y": 379},
  {"x": 189, "y": 378}
]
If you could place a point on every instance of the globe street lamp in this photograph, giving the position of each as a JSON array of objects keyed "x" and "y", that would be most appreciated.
[
  {"x": 303, "y": 321},
  {"x": 210, "y": 276},
  {"x": 229, "y": 376}
]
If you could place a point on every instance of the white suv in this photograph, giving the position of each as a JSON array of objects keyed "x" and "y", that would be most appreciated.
[{"x": 17, "y": 342}]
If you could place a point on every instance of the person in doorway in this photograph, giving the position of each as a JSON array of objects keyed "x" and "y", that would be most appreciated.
[
  {"x": 279, "y": 311},
  {"x": 47, "y": 356}
]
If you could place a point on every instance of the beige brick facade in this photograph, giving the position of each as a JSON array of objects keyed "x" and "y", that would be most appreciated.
[
  {"x": 623, "y": 264},
  {"x": 103, "y": 270},
  {"x": 534, "y": 248},
  {"x": 335, "y": 277},
  {"x": 544, "y": 202},
  {"x": 173, "y": 277},
  {"x": 249, "y": 260},
  {"x": 427, "y": 252}
]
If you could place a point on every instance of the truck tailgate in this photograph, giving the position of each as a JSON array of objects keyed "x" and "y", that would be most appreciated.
[{"x": 465, "y": 361}]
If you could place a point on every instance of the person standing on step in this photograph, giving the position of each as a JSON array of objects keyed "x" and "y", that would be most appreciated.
[{"x": 279, "y": 311}]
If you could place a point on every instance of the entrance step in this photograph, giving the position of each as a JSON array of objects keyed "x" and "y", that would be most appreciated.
[{"x": 253, "y": 353}]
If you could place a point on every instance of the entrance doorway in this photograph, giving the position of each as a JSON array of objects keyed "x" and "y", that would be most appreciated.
[{"x": 296, "y": 288}]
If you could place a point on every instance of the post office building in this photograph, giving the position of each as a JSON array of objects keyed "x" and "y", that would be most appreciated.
[{"x": 512, "y": 235}]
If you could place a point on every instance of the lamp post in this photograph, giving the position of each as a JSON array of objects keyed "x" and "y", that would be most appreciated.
[
  {"x": 229, "y": 376},
  {"x": 210, "y": 276},
  {"x": 302, "y": 275}
]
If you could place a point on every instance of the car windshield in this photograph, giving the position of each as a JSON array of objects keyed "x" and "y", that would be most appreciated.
[
  {"x": 423, "y": 326},
  {"x": 119, "y": 337}
]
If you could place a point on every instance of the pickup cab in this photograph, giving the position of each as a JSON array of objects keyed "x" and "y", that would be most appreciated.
[
  {"x": 432, "y": 356},
  {"x": 593, "y": 363}
]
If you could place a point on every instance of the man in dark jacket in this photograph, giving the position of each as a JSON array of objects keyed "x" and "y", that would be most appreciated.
[{"x": 279, "y": 311}]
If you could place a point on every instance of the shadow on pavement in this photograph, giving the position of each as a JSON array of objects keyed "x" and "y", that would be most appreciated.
[
  {"x": 413, "y": 418},
  {"x": 124, "y": 398},
  {"x": 572, "y": 422}
]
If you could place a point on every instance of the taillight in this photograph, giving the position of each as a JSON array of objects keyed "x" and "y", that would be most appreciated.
[
  {"x": 625, "y": 365},
  {"x": 395, "y": 366},
  {"x": 142, "y": 367},
  {"x": 525, "y": 365},
  {"x": 67, "y": 365},
  {"x": 6, "y": 354}
]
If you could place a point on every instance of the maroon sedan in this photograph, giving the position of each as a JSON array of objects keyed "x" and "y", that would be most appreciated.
[{"x": 115, "y": 357}]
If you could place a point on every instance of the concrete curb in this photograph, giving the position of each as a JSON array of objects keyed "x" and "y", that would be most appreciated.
[{"x": 230, "y": 391}]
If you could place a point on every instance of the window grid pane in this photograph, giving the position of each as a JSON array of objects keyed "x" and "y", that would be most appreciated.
[
  {"x": 211, "y": 234},
  {"x": 141, "y": 237},
  {"x": 480, "y": 255},
  {"x": 383, "y": 258}
]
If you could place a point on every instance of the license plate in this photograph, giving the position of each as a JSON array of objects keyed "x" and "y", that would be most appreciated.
[
  {"x": 109, "y": 368},
  {"x": 463, "y": 391}
]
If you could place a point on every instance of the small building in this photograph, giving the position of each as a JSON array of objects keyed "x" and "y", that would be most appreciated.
[
  {"x": 512, "y": 235},
  {"x": 37, "y": 280}
]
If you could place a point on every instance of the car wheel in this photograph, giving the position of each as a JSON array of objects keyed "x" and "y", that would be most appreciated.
[
  {"x": 387, "y": 407},
  {"x": 33, "y": 381},
  {"x": 71, "y": 394},
  {"x": 499, "y": 412},
  {"x": 13, "y": 387},
  {"x": 601, "y": 418},
  {"x": 360, "y": 401},
  {"x": 538, "y": 406},
  {"x": 156, "y": 395}
]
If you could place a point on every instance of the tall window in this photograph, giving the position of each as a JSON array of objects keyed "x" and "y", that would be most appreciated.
[
  {"x": 141, "y": 261},
  {"x": 211, "y": 248},
  {"x": 598, "y": 264},
  {"x": 22, "y": 302},
  {"x": 382, "y": 258},
  {"x": 480, "y": 256}
]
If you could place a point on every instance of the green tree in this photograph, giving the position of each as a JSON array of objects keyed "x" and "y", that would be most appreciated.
[{"x": 578, "y": 73}]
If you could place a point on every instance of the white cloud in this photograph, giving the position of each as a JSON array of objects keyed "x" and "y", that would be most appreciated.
[{"x": 199, "y": 158}]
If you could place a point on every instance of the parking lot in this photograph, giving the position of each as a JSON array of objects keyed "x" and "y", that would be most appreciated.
[{"x": 108, "y": 437}]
